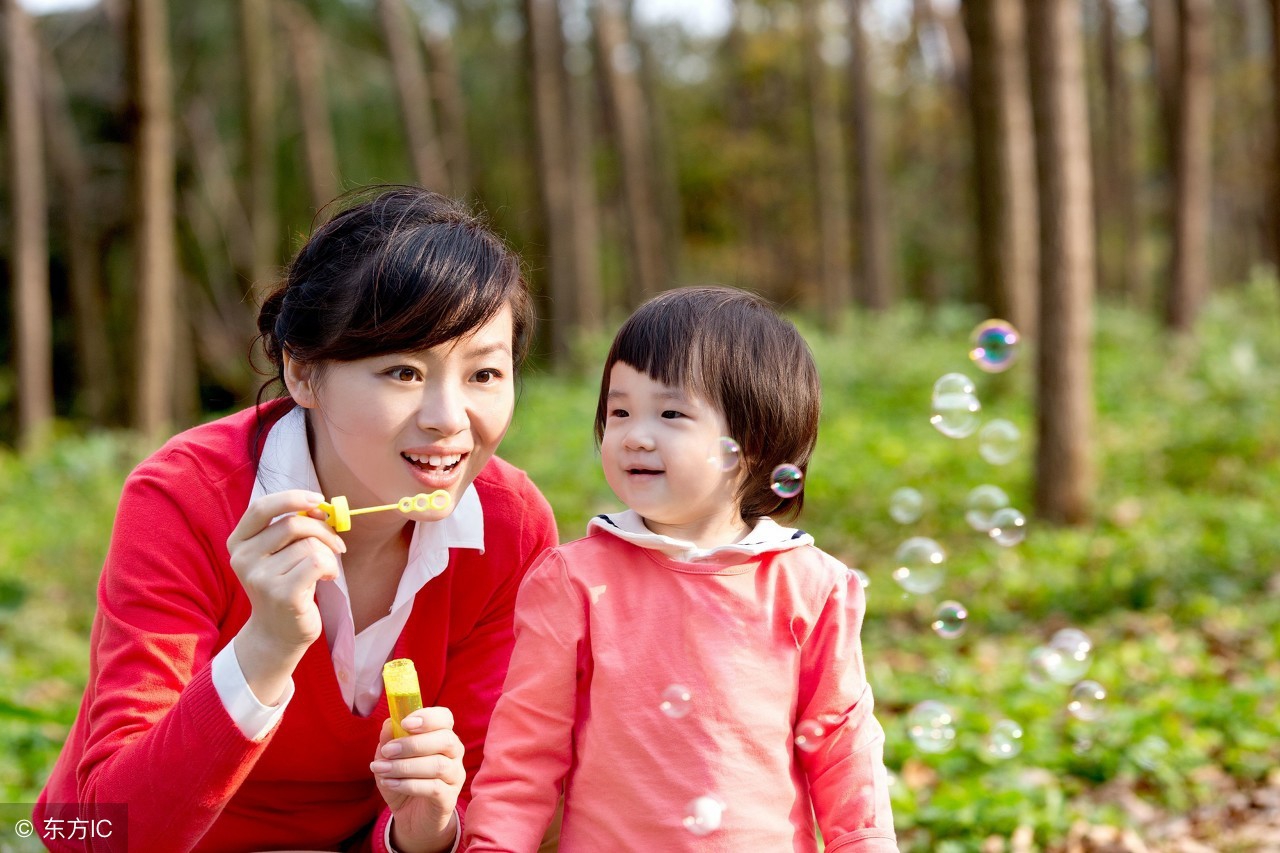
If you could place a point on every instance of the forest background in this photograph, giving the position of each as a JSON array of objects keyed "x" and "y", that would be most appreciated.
[{"x": 1103, "y": 173}]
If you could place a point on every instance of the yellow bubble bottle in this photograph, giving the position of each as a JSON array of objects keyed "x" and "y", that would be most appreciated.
[{"x": 403, "y": 695}]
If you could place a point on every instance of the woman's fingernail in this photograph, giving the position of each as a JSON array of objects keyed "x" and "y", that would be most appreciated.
[
  {"x": 342, "y": 546},
  {"x": 412, "y": 723},
  {"x": 390, "y": 783},
  {"x": 391, "y": 750},
  {"x": 380, "y": 766},
  {"x": 315, "y": 497}
]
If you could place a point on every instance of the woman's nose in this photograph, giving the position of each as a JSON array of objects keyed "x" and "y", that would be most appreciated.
[{"x": 443, "y": 409}]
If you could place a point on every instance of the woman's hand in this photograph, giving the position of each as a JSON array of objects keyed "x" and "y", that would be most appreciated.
[
  {"x": 279, "y": 563},
  {"x": 420, "y": 776}
]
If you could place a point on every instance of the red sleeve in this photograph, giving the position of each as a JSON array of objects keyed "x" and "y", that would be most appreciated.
[
  {"x": 156, "y": 733},
  {"x": 847, "y": 778}
]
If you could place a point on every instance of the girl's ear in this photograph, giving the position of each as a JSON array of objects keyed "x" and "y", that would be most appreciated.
[{"x": 299, "y": 378}]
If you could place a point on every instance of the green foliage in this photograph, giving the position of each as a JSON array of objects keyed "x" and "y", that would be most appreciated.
[{"x": 1175, "y": 580}]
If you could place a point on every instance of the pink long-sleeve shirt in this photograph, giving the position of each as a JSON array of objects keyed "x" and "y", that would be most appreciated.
[{"x": 764, "y": 638}]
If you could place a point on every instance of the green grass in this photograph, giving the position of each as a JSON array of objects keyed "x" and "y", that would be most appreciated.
[{"x": 1175, "y": 581}]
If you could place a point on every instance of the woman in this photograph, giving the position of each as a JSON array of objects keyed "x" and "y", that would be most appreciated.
[{"x": 211, "y": 709}]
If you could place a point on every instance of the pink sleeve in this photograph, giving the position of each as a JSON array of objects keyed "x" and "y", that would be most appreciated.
[
  {"x": 157, "y": 734},
  {"x": 847, "y": 778},
  {"x": 531, "y": 735}
]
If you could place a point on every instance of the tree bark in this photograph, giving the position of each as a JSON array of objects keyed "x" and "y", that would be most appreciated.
[
  {"x": 155, "y": 256},
  {"x": 1004, "y": 161},
  {"x": 875, "y": 284},
  {"x": 446, "y": 85},
  {"x": 1121, "y": 267},
  {"x": 829, "y": 173},
  {"x": 1064, "y": 474},
  {"x": 633, "y": 136},
  {"x": 306, "y": 55},
  {"x": 589, "y": 296},
  {"x": 1193, "y": 167},
  {"x": 555, "y": 172},
  {"x": 415, "y": 98},
  {"x": 32, "y": 312},
  {"x": 1274, "y": 188},
  {"x": 260, "y": 142},
  {"x": 94, "y": 370}
]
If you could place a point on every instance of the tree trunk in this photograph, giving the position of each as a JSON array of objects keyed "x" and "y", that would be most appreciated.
[
  {"x": 663, "y": 156},
  {"x": 876, "y": 286},
  {"x": 155, "y": 254},
  {"x": 555, "y": 172},
  {"x": 446, "y": 85},
  {"x": 1064, "y": 475},
  {"x": 618, "y": 64},
  {"x": 829, "y": 173},
  {"x": 94, "y": 370},
  {"x": 415, "y": 98},
  {"x": 1004, "y": 161},
  {"x": 1274, "y": 188},
  {"x": 1193, "y": 167},
  {"x": 306, "y": 53},
  {"x": 589, "y": 296},
  {"x": 1121, "y": 265},
  {"x": 29, "y": 272},
  {"x": 260, "y": 142}
]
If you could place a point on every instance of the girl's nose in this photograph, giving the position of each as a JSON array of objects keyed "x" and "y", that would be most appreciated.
[
  {"x": 637, "y": 438},
  {"x": 443, "y": 409}
]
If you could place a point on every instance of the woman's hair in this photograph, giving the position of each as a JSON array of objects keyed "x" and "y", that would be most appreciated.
[
  {"x": 731, "y": 348},
  {"x": 397, "y": 269}
]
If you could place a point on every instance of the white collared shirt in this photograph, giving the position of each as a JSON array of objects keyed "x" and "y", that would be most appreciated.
[{"x": 357, "y": 658}]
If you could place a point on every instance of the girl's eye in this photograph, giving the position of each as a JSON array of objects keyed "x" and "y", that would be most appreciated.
[
  {"x": 403, "y": 374},
  {"x": 672, "y": 414},
  {"x": 618, "y": 413}
]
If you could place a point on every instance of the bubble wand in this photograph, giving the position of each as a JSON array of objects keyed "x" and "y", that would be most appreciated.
[{"x": 337, "y": 513}]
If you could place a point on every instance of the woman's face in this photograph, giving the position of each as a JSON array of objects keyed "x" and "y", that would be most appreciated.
[{"x": 396, "y": 425}]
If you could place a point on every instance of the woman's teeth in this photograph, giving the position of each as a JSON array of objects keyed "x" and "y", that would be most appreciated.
[{"x": 444, "y": 463}]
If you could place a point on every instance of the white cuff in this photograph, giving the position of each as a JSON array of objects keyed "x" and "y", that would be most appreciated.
[
  {"x": 457, "y": 834},
  {"x": 254, "y": 719}
]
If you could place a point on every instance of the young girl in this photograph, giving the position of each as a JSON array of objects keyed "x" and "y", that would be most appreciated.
[
  {"x": 689, "y": 676},
  {"x": 212, "y": 712}
]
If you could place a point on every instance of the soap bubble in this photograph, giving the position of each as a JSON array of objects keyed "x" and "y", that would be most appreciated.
[
  {"x": 1086, "y": 701},
  {"x": 949, "y": 620},
  {"x": 906, "y": 505},
  {"x": 932, "y": 726},
  {"x": 955, "y": 415},
  {"x": 955, "y": 406},
  {"x": 863, "y": 580},
  {"x": 1150, "y": 752},
  {"x": 809, "y": 735},
  {"x": 953, "y": 383},
  {"x": 702, "y": 816},
  {"x": 920, "y": 565},
  {"x": 999, "y": 441},
  {"x": 982, "y": 504},
  {"x": 1073, "y": 647},
  {"x": 1008, "y": 527},
  {"x": 1003, "y": 741},
  {"x": 787, "y": 481},
  {"x": 677, "y": 701},
  {"x": 1041, "y": 662},
  {"x": 994, "y": 345},
  {"x": 726, "y": 454}
]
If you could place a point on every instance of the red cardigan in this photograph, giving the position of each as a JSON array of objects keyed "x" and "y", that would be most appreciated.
[{"x": 152, "y": 732}]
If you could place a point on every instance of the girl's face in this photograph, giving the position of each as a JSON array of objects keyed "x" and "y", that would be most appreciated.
[
  {"x": 661, "y": 456},
  {"x": 395, "y": 425}
]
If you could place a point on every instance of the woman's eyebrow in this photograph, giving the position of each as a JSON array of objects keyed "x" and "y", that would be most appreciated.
[{"x": 490, "y": 349}]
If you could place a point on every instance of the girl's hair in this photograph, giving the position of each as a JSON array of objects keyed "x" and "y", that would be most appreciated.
[
  {"x": 731, "y": 348},
  {"x": 397, "y": 269}
]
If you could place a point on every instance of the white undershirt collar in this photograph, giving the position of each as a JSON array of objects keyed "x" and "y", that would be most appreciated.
[{"x": 765, "y": 537}]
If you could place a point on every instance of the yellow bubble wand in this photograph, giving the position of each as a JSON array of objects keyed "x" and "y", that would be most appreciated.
[
  {"x": 337, "y": 512},
  {"x": 403, "y": 694}
]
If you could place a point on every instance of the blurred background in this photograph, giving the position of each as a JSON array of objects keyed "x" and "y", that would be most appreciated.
[{"x": 1102, "y": 174}]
